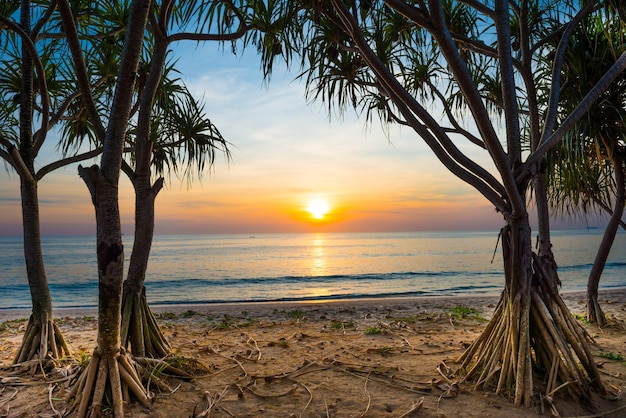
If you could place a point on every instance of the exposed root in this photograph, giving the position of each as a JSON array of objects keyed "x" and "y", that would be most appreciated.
[
  {"x": 42, "y": 340},
  {"x": 533, "y": 333},
  {"x": 595, "y": 314},
  {"x": 140, "y": 329},
  {"x": 110, "y": 377}
]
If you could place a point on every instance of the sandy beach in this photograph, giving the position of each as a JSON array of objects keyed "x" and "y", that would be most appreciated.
[{"x": 349, "y": 358}]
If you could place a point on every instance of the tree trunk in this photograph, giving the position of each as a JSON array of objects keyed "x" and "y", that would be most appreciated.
[
  {"x": 42, "y": 338},
  {"x": 532, "y": 338},
  {"x": 139, "y": 326},
  {"x": 544, "y": 244},
  {"x": 110, "y": 374},
  {"x": 595, "y": 314}
]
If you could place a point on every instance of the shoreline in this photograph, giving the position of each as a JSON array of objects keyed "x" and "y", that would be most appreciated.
[
  {"x": 575, "y": 299},
  {"x": 319, "y": 358}
]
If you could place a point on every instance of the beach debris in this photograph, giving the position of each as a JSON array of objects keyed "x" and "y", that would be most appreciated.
[
  {"x": 416, "y": 406},
  {"x": 212, "y": 402}
]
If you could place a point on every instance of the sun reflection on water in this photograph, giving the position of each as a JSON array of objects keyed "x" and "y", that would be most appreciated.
[{"x": 318, "y": 257}]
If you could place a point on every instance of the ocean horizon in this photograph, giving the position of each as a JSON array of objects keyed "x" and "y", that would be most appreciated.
[{"x": 202, "y": 269}]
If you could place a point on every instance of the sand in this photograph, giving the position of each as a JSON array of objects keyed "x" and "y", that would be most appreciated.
[{"x": 369, "y": 357}]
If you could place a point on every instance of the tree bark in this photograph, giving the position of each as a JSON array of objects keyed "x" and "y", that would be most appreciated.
[
  {"x": 595, "y": 315},
  {"x": 42, "y": 338},
  {"x": 108, "y": 371},
  {"x": 544, "y": 250},
  {"x": 531, "y": 333},
  {"x": 139, "y": 327}
]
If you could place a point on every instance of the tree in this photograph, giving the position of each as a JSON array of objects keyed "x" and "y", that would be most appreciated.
[
  {"x": 588, "y": 170},
  {"x": 156, "y": 114},
  {"x": 109, "y": 368},
  {"x": 475, "y": 60},
  {"x": 32, "y": 67},
  {"x": 169, "y": 120}
]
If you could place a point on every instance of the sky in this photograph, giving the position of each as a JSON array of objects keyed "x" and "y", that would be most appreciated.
[{"x": 286, "y": 153}]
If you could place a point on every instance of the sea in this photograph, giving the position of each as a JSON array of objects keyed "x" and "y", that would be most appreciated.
[{"x": 194, "y": 269}]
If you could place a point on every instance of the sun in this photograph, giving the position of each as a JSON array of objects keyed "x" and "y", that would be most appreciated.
[{"x": 318, "y": 208}]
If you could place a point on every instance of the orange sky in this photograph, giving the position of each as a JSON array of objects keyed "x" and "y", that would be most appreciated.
[{"x": 285, "y": 154}]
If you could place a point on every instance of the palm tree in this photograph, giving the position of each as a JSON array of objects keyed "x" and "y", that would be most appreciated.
[
  {"x": 188, "y": 131},
  {"x": 171, "y": 132},
  {"x": 32, "y": 67},
  {"x": 398, "y": 58},
  {"x": 180, "y": 137},
  {"x": 588, "y": 169},
  {"x": 109, "y": 365}
]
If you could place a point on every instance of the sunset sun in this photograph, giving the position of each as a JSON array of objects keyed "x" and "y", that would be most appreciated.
[{"x": 318, "y": 208}]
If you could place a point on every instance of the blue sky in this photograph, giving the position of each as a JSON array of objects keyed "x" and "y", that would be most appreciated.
[{"x": 285, "y": 153}]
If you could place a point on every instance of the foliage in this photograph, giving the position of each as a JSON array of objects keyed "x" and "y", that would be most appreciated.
[
  {"x": 295, "y": 314},
  {"x": 611, "y": 355},
  {"x": 580, "y": 169},
  {"x": 342, "y": 324},
  {"x": 373, "y": 331},
  {"x": 463, "y": 312},
  {"x": 471, "y": 80}
]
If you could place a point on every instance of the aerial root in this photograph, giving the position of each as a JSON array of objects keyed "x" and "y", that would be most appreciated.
[
  {"x": 534, "y": 331},
  {"x": 140, "y": 329},
  {"x": 108, "y": 377},
  {"x": 42, "y": 339}
]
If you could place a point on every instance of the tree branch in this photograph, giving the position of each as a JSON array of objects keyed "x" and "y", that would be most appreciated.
[
  {"x": 509, "y": 92},
  {"x": 20, "y": 165},
  {"x": 458, "y": 129},
  {"x": 41, "y": 75},
  {"x": 67, "y": 161},
  {"x": 34, "y": 33},
  {"x": 580, "y": 110},
  {"x": 555, "y": 86},
  {"x": 483, "y": 181},
  {"x": 79, "y": 64}
]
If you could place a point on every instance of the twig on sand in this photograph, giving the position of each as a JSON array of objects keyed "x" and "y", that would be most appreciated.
[
  {"x": 369, "y": 397},
  {"x": 255, "y": 345},
  {"x": 310, "y": 400},
  {"x": 245, "y": 372},
  {"x": 326, "y": 407},
  {"x": 416, "y": 405},
  {"x": 605, "y": 413},
  {"x": 5, "y": 401},
  {"x": 212, "y": 403},
  {"x": 409, "y": 344},
  {"x": 50, "y": 390}
]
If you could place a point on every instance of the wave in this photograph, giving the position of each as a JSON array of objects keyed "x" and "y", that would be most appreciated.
[{"x": 333, "y": 278}]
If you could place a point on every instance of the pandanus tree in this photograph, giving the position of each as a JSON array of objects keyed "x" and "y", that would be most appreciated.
[
  {"x": 462, "y": 75},
  {"x": 180, "y": 139},
  {"x": 137, "y": 94},
  {"x": 110, "y": 370},
  {"x": 38, "y": 93},
  {"x": 169, "y": 131},
  {"x": 588, "y": 170}
]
